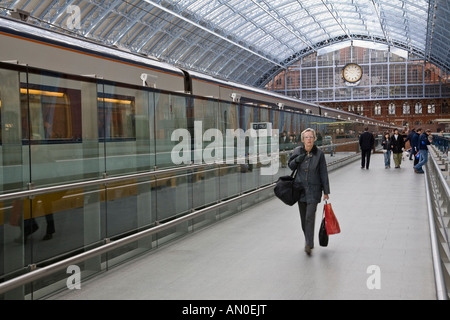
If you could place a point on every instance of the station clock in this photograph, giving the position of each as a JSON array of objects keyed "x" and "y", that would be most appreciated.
[{"x": 352, "y": 73}]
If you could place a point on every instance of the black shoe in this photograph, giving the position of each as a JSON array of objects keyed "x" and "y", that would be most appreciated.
[
  {"x": 308, "y": 250},
  {"x": 47, "y": 236}
]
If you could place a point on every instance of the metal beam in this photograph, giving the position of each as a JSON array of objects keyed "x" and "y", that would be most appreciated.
[{"x": 212, "y": 32}]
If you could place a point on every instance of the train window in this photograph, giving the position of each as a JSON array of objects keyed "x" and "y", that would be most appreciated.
[
  {"x": 50, "y": 115},
  {"x": 116, "y": 117}
]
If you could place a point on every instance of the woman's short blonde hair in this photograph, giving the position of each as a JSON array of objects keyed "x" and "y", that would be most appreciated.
[{"x": 308, "y": 130}]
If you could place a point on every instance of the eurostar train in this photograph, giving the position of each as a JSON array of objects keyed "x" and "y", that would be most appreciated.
[{"x": 73, "y": 110}]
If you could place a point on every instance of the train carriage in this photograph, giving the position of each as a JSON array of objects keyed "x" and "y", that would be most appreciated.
[{"x": 72, "y": 111}]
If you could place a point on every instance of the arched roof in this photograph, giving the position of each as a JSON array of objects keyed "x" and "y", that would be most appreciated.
[{"x": 246, "y": 41}]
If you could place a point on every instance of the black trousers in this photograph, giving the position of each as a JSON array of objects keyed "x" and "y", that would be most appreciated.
[
  {"x": 308, "y": 219},
  {"x": 365, "y": 158}
]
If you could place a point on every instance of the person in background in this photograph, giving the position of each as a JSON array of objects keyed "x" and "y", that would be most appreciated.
[
  {"x": 409, "y": 138},
  {"x": 366, "y": 142},
  {"x": 311, "y": 179},
  {"x": 386, "y": 143},
  {"x": 415, "y": 145},
  {"x": 424, "y": 141},
  {"x": 397, "y": 146}
]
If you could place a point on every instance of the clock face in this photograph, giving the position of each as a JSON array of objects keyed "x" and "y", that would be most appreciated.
[{"x": 352, "y": 72}]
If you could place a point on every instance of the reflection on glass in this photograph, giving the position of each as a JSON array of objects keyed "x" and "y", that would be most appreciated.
[
  {"x": 116, "y": 117},
  {"x": 57, "y": 130},
  {"x": 54, "y": 114}
]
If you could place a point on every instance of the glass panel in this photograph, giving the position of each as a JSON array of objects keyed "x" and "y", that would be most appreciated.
[
  {"x": 69, "y": 222},
  {"x": 173, "y": 148},
  {"x": 12, "y": 254},
  {"x": 379, "y": 92},
  {"x": 65, "y": 221},
  {"x": 14, "y": 176},
  {"x": 52, "y": 226},
  {"x": 309, "y": 78},
  {"x": 325, "y": 77},
  {"x": 131, "y": 206},
  {"x": 232, "y": 175},
  {"x": 249, "y": 171},
  {"x": 172, "y": 195},
  {"x": 124, "y": 127},
  {"x": 325, "y": 59},
  {"x": 58, "y": 129},
  {"x": 206, "y": 117},
  {"x": 170, "y": 114},
  {"x": 415, "y": 91},
  {"x": 13, "y": 157}
]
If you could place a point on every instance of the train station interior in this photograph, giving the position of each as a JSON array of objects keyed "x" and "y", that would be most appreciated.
[{"x": 142, "y": 140}]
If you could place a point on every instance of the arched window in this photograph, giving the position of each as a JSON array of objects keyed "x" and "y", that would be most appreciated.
[
  {"x": 360, "y": 109},
  {"x": 377, "y": 109},
  {"x": 418, "y": 108},
  {"x": 406, "y": 109},
  {"x": 391, "y": 108}
]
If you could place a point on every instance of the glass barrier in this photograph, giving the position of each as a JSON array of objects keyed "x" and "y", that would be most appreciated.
[{"x": 58, "y": 129}]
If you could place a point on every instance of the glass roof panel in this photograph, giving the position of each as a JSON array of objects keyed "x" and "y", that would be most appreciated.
[{"x": 269, "y": 33}]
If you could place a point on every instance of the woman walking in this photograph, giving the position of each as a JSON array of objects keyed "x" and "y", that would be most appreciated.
[
  {"x": 386, "y": 143},
  {"x": 311, "y": 179}
]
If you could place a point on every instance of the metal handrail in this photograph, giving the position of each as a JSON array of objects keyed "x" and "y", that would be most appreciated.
[
  {"x": 99, "y": 181},
  {"x": 111, "y": 245},
  {"x": 42, "y": 272},
  {"x": 441, "y": 288},
  {"x": 444, "y": 186},
  {"x": 105, "y": 180},
  {"x": 441, "y": 176}
]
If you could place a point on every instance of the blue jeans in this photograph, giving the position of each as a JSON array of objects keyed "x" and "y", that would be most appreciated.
[
  {"x": 387, "y": 158},
  {"x": 423, "y": 160}
]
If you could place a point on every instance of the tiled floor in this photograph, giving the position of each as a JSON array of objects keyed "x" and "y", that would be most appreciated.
[{"x": 258, "y": 254}]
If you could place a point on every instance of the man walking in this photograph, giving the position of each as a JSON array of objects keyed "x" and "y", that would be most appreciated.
[
  {"x": 415, "y": 145},
  {"x": 366, "y": 142},
  {"x": 398, "y": 145},
  {"x": 409, "y": 138},
  {"x": 423, "y": 149}
]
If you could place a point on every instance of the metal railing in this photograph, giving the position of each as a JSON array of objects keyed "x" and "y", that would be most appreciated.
[
  {"x": 97, "y": 182},
  {"x": 45, "y": 271},
  {"x": 38, "y": 273},
  {"x": 31, "y": 192},
  {"x": 438, "y": 203}
]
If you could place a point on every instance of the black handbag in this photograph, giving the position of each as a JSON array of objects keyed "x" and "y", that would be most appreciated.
[
  {"x": 323, "y": 235},
  {"x": 285, "y": 190}
]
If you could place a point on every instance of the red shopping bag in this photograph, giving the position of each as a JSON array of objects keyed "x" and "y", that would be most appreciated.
[{"x": 331, "y": 223}]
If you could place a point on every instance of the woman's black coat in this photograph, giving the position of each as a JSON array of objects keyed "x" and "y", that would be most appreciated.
[{"x": 312, "y": 174}]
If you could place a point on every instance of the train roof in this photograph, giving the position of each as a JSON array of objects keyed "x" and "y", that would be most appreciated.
[{"x": 38, "y": 33}]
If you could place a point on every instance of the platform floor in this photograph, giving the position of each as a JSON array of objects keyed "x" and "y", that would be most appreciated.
[{"x": 258, "y": 254}]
